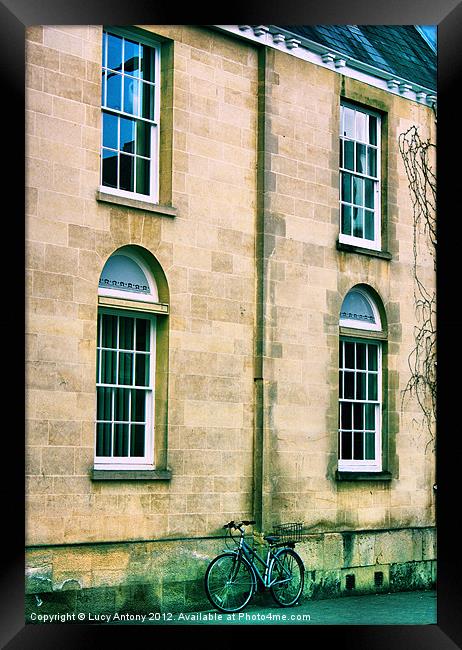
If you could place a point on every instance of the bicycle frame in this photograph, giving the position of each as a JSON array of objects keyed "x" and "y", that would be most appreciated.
[{"x": 250, "y": 554}]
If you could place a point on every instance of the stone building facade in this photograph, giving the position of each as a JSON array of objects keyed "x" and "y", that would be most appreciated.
[{"x": 238, "y": 237}]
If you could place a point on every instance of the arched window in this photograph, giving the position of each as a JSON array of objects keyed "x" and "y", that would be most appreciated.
[
  {"x": 128, "y": 312},
  {"x": 360, "y": 383}
]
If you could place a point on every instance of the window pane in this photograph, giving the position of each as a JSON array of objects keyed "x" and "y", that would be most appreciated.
[
  {"x": 104, "y": 49},
  {"x": 143, "y": 139},
  {"x": 147, "y": 101},
  {"x": 121, "y": 404},
  {"x": 361, "y": 356},
  {"x": 370, "y": 445},
  {"x": 346, "y": 219},
  {"x": 137, "y": 440},
  {"x": 361, "y": 385},
  {"x": 372, "y": 354},
  {"x": 127, "y": 172},
  {"x": 131, "y": 96},
  {"x": 349, "y": 385},
  {"x": 349, "y": 154},
  {"x": 361, "y": 126},
  {"x": 346, "y": 187},
  {"x": 110, "y": 126},
  {"x": 358, "y": 216},
  {"x": 372, "y": 390},
  {"x": 358, "y": 416},
  {"x": 109, "y": 335},
  {"x": 372, "y": 129},
  {"x": 369, "y": 193},
  {"x": 114, "y": 91},
  {"x": 345, "y": 414},
  {"x": 340, "y": 355},
  {"x": 108, "y": 367},
  {"x": 358, "y": 190},
  {"x": 142, "y": 334},
  {"x": 142, "y": 370},
  {"x": 340, "y": 384},
  {"x": 109, "y": 168},
  {"x": 346, "y": 445},
  {"x": 372, "y": 161},
  {"x": 361, "y": 158},
  {"x": 126, "y": 333},
  {"x": 370, "y": 416},
  {"x": 358, "y": 451},
  {"x": 147, "y": 63},
  {"x": 143, "y": 179},
  {"x": 103, "y": 439},
  {"x": 348, "y": 122},
  {"x": 104, "y": 403},
  {"x": 349, "y": 355},
  {"x": 131, "y": 58},
  {"x": 127, "y": 135},
  {"x": 120, "y": 440},
  {"x": 125, "y": 368},
  {"x": 138, "y": 406},
  {"x": 114, "y": 52},
  {"x": 369, "y": 225}
]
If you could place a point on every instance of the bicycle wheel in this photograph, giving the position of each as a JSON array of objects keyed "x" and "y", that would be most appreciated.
[
  {"x": 229, "y": 582},
  {"x": 286, "y": 577}
]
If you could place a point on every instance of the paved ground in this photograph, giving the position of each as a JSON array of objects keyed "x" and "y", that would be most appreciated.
[{"x": 404, "y": 608}]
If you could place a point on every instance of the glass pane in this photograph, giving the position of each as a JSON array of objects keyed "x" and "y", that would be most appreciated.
[
  {"x": 138, "y": 405},
  {"x": 132, "y": 58},
  {"x": 372, "y": 129},
  {"x": 349, "y": 355},
  {"x": 120, "y": 440},
  {"x": 109, "y": 168},
  {"x": 131, "y": 96},
  {"x": 361, "y": 158},
  {"x": 358, "y": 190},
  {"x": 143, "y": 180},
  {"x": 127, "y": 135},
  {"x": 370, "y": 416},
  {"x": 358, "y": 416},
  {"x": 372, "y": 389},
  {"x": 358, "y": 216},
  {"x": 103, "y": 88},
  {"x": 340, "y": 162},
  {"x": 127, "y": 172},
  {"x": 114, "y": 91},
  {"x": 147, "y": 63},
  {"x": 361, "y": 119},
  {"x": 346, "y": 219},
  {"x": 345, "y": 416},
  {"x": 348, "y": 122},
  {"x": 358, "y": 451},
  {"x": 126, "y": 333},
  {"x": 142, "y": 370},
  {"x": 370, "y": 445},
  {"x": 108, "y": 367},
  {"x": 103, "y": 439},
  {"x": 361, "y": 356},
  {"x": 104, "y": 404},
  {"x": 142, "y": 334},
  {"x": 340, "y": 384},
  {"x": 346, "y": 187},
  {"x": 349, "y": 385},
  {"x": 340, "y": 355},
  {"x": 372, "y": 161},
  {"x": 110, "y": 127},
  {"x": 104, "y": 49},
  {"x": 121, "y": 404},
  {"x": 346, "y": 445},
  {"x": 143, "y": 139},
  {"x": 109, "y": 336},
  {"x": 349, "y": 154},
  {"x": 361, "y": 385},
  {"x": 369, "y": 225},
  {"x": 137, "y": 440},
  {"x": 125, "y": 368},
  {"x": 372, "y": 357},
  {"x": 147, "y": 101},
  {"x": 114, "y": 52},
  {"x": 369, "y": 193}
]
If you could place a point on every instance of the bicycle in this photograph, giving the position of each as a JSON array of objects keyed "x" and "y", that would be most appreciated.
[{"x": 231, "y": 578}]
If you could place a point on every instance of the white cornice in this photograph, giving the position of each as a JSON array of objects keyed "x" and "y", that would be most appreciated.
[{"x": 303, "y": 48}]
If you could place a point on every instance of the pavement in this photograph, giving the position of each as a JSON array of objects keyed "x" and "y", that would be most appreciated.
[{"x": 402, "y": 608}]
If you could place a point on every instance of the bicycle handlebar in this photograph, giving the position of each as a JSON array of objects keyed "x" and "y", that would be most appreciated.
[{"x": 237, "y": 526}]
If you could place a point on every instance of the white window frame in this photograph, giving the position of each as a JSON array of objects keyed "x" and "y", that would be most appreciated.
[
  {"x": 153, "y": 196},
  {"x": 362, "y": 242}
]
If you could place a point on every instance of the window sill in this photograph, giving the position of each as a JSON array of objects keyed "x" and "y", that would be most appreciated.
[
  {"x": 131, "y": 475},
  {"x": 348, "y": 248},
  {"x": 137, "y": 204},
  {"x": 363, "y": 476}
]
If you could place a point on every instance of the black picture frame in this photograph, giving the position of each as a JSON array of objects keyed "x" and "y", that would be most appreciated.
[{"x": 15, "y": 15}]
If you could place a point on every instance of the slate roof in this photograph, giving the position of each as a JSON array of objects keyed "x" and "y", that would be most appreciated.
[{"x": 398, "y": 49}]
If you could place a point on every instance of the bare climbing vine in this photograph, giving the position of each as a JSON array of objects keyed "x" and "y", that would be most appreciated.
[{"x": 417, "y": 154}]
